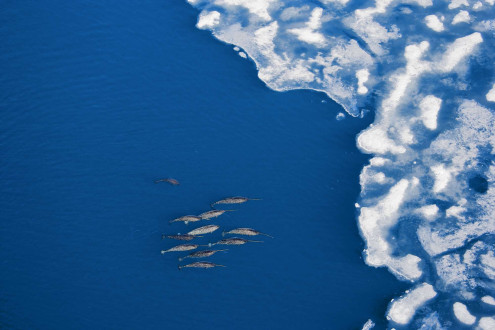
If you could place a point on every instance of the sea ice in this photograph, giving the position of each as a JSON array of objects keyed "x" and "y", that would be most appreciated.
[
  {"x": 490, "y": 96},
  {"x": 461, "y": 17},
  {"x": 434, "y": 23},
  {"x": 433, "y": 132},
  {"x": 488, "y": 300},
  {"x": 403, "y": 309},
  {"x": 462, "y": 314}
]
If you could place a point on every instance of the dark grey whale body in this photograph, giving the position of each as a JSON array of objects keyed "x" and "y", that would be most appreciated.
[
  {"x": 235, "y": 200},
  {"x": 245, "y": 231},
  {"x": 201, "y": 264},
  {"x": 173, "y": 182},
  {"x": 201, "y": 254},
  {"x": 234, "y": 241},
  {"x": 183, "y": 237}
]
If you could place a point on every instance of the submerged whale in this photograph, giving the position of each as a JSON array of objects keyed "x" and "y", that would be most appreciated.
[
  {"x": 182, "y": 247},
  {"x": 245, "y": 231},
  {"x": 201, "y": 264},
  {"x": 234, "y": 241},
  {"x": 201, "y": 254},
  {"x": 183, "y": 237},
  {"x": 186, "y": 219},
  {"x": 168, "y": 180},
  {"x": 203, "y": 230},
  {"x": 213, "y": 214},
  {"x": 235, "y": 200}
]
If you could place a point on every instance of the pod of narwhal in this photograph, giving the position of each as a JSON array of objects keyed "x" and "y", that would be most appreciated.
[{"x": 198, "y": 232}]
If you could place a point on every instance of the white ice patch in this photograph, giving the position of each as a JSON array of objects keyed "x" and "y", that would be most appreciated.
[
  {"x": 430, "y": 105},
  {"x": 310, "y": 33},
  {"x": 490, "y": 96},
  {"x": 208, "y": 19},
  {"x": 485, "y": 26},
  {"x": 362, "y": 76},
  {"x": 455, "y": 211},
  {"x": 375, "y": 223},
  {"x": 462, "y": 314},
  {"x": 486, "y": 323},
  {"x": 461, "y": 17},
  {"x": 368, "y": 325},
  {"x": 477, "y": 5},
  {"x": 458, "y": 3},
  {"x": 489, "y": 300},
  {"x": 422, "y": 3},
  {"x": 442, "y": 177},
  {"x": 403, "y": 309},
  {"x": 341, "y": 2},
  {"x": 293, "y": 12},
  {"x": 255, "y": 7},
  {"x": 459, "y": 49},
  {"x": 373, "y": 33},
  {"x": 488, "y": 264},
  {"x": 434, "y": 23},
  {"x": 429, "y": 212}
]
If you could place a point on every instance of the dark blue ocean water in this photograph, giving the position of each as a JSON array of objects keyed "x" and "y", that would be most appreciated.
[{"x": 98, "y": 99}]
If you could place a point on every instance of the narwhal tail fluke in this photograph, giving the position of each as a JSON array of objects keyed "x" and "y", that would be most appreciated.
[
  {"x": 180, "y": 259},
  {"x": 267, "y": 235},
  {"x": 179, "y": 267},
  {"x": 223, "y": 233},
  {"x": 163, "y": 236},
  {"x": 212, "y": 205},
  {"x": 163, "y": 251}
]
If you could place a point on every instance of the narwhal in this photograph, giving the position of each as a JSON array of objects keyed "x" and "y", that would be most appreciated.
[
  {"x": 246, "y": 232},
  {"x": 183, "y": 237},
  {"x": 213, "y": 214},
  {"x": 200, "y": 264},
  {"x": 235, "y": 200},
  {"x": 201, "y": 254},
  {"x": 182, "y": 247},
  {"x": 186, "y": 219},
  {"x": 234, "y": 241},
  {"x": 173, "y": 182},
  {"x": 203, "y": 230}
]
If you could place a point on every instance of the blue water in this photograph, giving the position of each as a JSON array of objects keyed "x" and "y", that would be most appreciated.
[{"x": 98, "y": 99}]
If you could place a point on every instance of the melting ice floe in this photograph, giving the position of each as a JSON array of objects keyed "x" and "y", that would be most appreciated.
[{"x": 427, "y": 208}]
